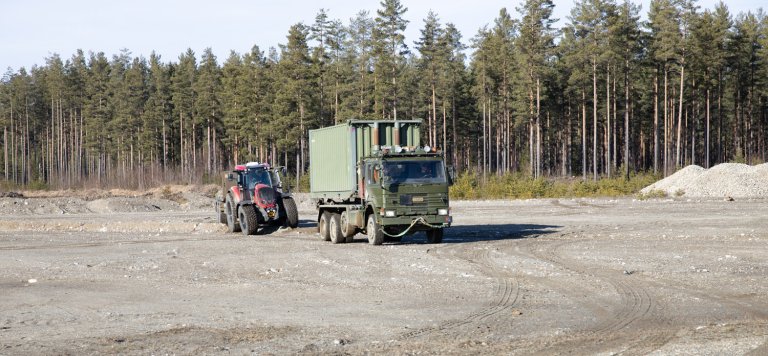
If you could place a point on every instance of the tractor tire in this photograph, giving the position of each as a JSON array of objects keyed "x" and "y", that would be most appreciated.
[
  {"x": 347, "y": 229},
  {"x": 291, "y": 212},
  {"x": 248, "y": 220},
  {"x": 323, "y": 225},
  {"x": 230, "y": 210},
  {"x": 435, "y": 236},
  {"x": 220, "y": 211},
  {"x": 372, "y": 229},
  {"x": 335, "y": 229}
]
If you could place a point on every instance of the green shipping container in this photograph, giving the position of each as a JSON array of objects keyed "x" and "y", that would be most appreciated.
[{"x": 335, "y": 151}]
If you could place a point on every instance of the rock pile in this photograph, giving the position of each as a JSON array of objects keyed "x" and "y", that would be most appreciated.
[{"x": 723, "y": 180}]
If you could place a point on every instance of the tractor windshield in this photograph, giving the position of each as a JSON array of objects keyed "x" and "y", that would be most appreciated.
[
  {"x": 257, "y": 176},
  {"x": 400, "y": 172}
]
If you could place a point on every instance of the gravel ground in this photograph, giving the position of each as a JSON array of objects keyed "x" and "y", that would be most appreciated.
[
  {"x": 148, "y": 275},
  {"x": 733, "y": 180}
]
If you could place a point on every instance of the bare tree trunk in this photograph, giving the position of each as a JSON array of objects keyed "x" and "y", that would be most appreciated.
[
  {"x": 608, "y": 121},
  {"x": 584, "y": 134},
  {"x": 594, "y": 119},
  {"x": 680, "y": 114},
  {"x": 538, "y": 128},
  {"x": 181, "y": 143},
  {"x": 656, "y": 122},
  {"x": 626, "y": 120},
  {"x": 666, "y": 123}
]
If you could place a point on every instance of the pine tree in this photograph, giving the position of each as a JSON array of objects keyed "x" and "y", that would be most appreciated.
[
  {"x": 183, "y": 80},
  {"x": 389, "y": 56}
]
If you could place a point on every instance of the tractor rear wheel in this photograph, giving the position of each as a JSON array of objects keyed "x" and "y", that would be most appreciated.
[
  {"x": 335, "y": 229},
  {"x": 230, "y": 210},
  {"x": 248, "y": 220},
  {"x": 323, "y": 225},
  {"x": 220, "y": 211},
  {"x": 291, "y": 212}
]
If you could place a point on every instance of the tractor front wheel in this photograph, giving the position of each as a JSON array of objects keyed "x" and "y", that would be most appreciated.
[
  {"x": 291, "y": 212},
  {"x": 248, "y": 220}
]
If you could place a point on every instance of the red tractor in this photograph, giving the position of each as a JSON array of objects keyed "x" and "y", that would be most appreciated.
[{"x": 253, "y": 197}]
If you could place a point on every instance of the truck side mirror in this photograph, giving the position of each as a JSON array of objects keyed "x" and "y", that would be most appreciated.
[
  {"x": 451, "y": 175},
  {"x": 231, "y": 177}
]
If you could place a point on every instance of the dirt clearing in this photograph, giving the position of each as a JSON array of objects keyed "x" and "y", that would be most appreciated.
[{"x": 151, "y": 274}]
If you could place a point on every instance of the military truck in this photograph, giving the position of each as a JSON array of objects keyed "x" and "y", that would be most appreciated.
[
  {"x": 371, "y": 176},
  {"x": 252, "y": 196}
]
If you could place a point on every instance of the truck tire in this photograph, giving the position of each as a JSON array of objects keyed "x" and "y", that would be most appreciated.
[
  {"x": 372, "y": 229},
  {"x": 248, "y": 220},
  {"x": 323, "y": 226},
  {"x": 435, "y": 236},
  {"x": 334, "y": 227},
  {"x": 347, "y": 229},
  {"x": 230, "y": 210},
  {"x": 291, "y": 212}
]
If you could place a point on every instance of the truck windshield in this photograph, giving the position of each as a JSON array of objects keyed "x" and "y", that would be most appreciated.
[{"x": 399, "y": 172}]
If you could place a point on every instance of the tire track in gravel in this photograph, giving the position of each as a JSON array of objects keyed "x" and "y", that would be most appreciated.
[
  {"x": 113, "y": 243},
  {"x": 506, "y": 295},
  {"x": 635, "y": 301}
]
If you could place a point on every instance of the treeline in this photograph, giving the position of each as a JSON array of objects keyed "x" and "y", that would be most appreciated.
[{"x": 604, "y": 95}]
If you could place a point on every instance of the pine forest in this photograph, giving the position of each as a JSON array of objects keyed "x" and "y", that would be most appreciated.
[{"x": 608, "y": 94}]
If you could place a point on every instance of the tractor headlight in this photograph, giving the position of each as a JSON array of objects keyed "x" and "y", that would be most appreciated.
[
  {"x": 390, "y": 213},
  {"x": 443, "y": 211}
]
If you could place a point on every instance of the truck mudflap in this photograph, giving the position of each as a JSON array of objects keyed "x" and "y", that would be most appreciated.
[{"x": 420, "y": 222}]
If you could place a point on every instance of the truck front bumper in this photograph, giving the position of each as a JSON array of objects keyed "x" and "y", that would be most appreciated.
[{"x": 442, "y": 221}]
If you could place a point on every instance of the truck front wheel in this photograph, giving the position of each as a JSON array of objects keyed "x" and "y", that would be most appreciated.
[
  {"x": 372, "y": 229},
  {"x": 435, "y": 236}
]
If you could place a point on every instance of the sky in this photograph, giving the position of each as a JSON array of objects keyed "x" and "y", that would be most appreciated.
[{"x": 32, "y": 30}]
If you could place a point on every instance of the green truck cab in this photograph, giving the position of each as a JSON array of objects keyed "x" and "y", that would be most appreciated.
[{"x": 370, "y": 176}]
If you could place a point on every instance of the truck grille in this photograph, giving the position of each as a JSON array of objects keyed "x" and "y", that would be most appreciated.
[{"x": 418, "y": 200}]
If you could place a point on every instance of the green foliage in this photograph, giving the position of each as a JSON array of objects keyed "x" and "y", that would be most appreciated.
[
  {"x": 518, "y": 186},
  {"x": 654, "y": 194},
  {"x": 527, "y": 100}
]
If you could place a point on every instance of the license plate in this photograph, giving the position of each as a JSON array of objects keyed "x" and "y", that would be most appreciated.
[{"x": 418, "y": 199}]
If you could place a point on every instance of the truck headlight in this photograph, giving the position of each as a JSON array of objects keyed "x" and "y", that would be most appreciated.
[
  {"x": 390, "y": 213},
  {"x": 443, "y": 211}
]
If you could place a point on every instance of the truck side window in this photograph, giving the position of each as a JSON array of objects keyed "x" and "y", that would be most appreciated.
[{"x": 371, "y": 174}]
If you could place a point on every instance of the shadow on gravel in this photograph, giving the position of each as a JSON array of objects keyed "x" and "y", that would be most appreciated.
[
  {"x": 476, "y": 233},
  {"x": 465, "y": 233}
]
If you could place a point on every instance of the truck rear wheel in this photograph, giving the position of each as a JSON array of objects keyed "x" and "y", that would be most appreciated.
[
  {"x": 323, "y": 225},
  {"x": 291, "y": 212},
  {"x": 335, "y": 229},
  {"x": 347, "y": 229},
  {"x": 230, "y": 210},
  {"x": 375, "y": 235},
  {"x": 435, "y": 236},
  {"x": 248, "y": 220}
]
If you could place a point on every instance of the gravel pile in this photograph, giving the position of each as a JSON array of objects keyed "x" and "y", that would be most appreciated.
[{"x": 724, "y": 180}]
